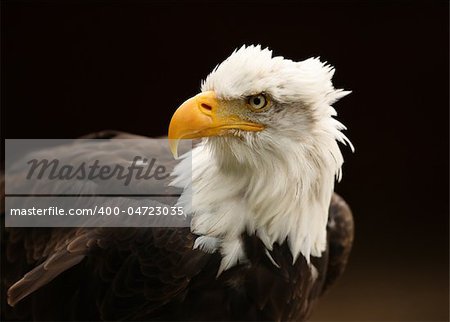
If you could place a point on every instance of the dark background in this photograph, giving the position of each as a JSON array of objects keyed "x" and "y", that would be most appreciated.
[{"x": 72, "y": 67}]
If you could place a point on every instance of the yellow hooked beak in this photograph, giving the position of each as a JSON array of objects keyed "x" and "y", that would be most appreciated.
[{"x": 204, "y": 115}]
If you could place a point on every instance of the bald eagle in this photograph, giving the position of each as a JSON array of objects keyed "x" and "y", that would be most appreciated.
[{"x": 267, "y": 238}]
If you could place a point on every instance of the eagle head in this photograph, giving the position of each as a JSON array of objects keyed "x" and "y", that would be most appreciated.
[{"x": 269, "y": 155}]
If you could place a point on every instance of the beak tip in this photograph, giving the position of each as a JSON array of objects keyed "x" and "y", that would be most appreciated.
[{"x": 173, "y": 143}]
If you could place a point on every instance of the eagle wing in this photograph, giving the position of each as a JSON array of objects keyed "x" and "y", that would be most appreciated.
[
  {"x": 340, "y": 230},
  {"x": 111, "y": 256},
  {"x": 146, "y": 268}
]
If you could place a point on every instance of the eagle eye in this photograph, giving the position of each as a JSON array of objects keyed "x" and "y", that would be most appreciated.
[{"x": 257, "y": 102}]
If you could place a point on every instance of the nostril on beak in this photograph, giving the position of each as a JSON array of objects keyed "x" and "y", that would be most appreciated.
[{"x": 206, "y": 107}]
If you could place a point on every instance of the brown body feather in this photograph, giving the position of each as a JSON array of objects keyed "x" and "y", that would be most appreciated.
[{"x": 154, "y": 274}]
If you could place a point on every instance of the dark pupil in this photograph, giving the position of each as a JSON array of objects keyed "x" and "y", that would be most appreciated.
[{"x": 257, "y": 101}]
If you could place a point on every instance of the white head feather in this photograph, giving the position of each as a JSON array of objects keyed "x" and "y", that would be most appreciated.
[{"x": 276, "y": 183}]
